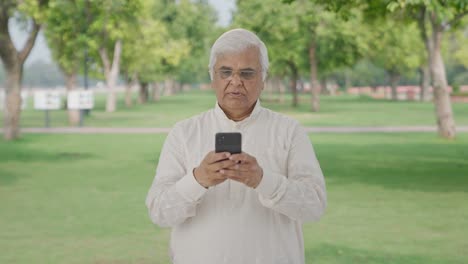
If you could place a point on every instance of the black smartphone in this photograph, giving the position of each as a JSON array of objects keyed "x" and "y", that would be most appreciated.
[{"x": 228, "y": 142}]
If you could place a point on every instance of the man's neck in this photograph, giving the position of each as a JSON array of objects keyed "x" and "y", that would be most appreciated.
[{"x": 238, "y": 116}]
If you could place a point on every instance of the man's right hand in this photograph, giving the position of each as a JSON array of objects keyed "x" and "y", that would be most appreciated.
[{"x": 207, "y": 173}]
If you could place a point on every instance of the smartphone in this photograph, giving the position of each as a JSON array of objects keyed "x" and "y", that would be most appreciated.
[{"x": 228, "y": 142}]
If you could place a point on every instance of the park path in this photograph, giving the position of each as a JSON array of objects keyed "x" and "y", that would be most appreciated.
[{"x": 163, "y": 130}]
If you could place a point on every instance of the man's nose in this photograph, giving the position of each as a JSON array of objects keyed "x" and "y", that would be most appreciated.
[{"x": 236, "y": 79}]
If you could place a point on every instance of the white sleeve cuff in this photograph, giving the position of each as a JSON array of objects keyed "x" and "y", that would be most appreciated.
[
  {"x": 269, "y": 185},
  {"x": 189, "y": 188}
]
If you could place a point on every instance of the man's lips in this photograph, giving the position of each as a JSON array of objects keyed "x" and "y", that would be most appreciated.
[{"x": 235, "y": 94}]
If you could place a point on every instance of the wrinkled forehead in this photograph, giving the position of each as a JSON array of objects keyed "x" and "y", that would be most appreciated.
[{"x": 248, "y": 58}]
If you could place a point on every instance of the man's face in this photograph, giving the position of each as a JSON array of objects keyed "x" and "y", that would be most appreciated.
[{"x": 237, "y": 80}]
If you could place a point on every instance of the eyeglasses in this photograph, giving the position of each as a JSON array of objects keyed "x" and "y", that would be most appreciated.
[{"x": 243, "y": 74}]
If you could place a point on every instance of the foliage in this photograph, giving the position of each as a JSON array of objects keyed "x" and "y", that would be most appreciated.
[
  {"x": 396, "y": 47},
  {"x": 109, "y": 21},
  {"x": 195, "y": 22},
  {"x": 149, "y": 47},
  {"x": 172, "y": 38},
  {"x": 33, "y": 9},
  {"x": 457, "y": 45},
  {"x": 191, "y": 23},
  {"x": 66, "y": 33},
  {"x": 365, "y": 73},
  {"x": 288, "y": 30},
  {"x": 341, "y": 42},
  {"x": 277, "y": 25}
]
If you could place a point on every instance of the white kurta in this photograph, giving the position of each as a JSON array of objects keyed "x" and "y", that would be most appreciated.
[{"x": 230, "y": 222}]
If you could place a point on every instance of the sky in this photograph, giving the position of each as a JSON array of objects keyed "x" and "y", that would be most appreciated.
[{"x": 42, "y": 52}]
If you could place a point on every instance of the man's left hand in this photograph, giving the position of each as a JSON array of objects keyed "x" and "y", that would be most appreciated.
[{"x": 246, "y": 170}]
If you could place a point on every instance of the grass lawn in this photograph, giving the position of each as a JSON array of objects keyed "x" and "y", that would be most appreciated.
[
  {"x": 342, "y": 110},
  {"x": 393, "y": 198}
]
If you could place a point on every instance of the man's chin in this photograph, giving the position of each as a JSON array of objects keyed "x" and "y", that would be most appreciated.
[{"x": 234, "y": 104}]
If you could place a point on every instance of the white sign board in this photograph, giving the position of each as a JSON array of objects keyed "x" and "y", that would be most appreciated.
[
  {"x": 24, "y": 100},
  {"x": 83, "y": 99},
  {"x": 47, "y": 100}
]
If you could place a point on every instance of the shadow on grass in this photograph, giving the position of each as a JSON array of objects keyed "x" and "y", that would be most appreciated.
[
  {"x": 430, "y": 167},
  {"x": 328, "y": 253},
  {"x": 19, "y": 151},
  {"x": 10, "y": 153}
]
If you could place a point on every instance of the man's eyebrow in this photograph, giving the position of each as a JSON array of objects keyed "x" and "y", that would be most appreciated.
[{"x": 224, "y": 68}]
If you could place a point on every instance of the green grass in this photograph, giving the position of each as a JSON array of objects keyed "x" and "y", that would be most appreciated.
[
  {"x": 344, "y": 110},
  {"x": 393, "y": 198}
]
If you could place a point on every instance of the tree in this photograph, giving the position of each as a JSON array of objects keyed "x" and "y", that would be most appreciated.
[
  {"x": 192, "y": 23},
  {"x": 334, "y": 43},
  {"x": 195, "y": 22},
  {"x": 305, "y": 38},
  {"x": 32, "y": 12},
  {"x": 436, "y": 17},
  {"x": 277, "y": 25},
  {"x": 396, "y": 48},
  {"x": 65, "y": 33},
  {"x": 150, "y": 49},
  {"x": 110, "y": 22}
]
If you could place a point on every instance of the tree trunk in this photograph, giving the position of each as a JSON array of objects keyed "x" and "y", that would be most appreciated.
[
  {"x": 13, "y": 61},
  {"x": 314, "y": 83},
  {"x": 130, "y": 82},
  {"x": 128, "y": 94},
  {"x": 323, "y": 86},
  {"x": 293, "y": 82},
  {"x": 347, "y": 79},
  {"x": 268, "y": 90},
  {"x": 424, "y": 82},
  {"x": 169, "y": 86},
  {"x": 443, "y": 105},
  {"x": 177, "y": 87},
  {"x": 275, "y": 87},
  {"x": 73, "y": 114},
  {"x": 156, "y": 92},
  {"x": 111, "y": 72},
  {"x": 186, "y": 87},
  {"x": 144, "y": 93},
  {"x": 12, "y": 109},
  {"x": 111, "y": 101},
  {"x": 282, "y": 90},
  {"x": 332, "y": 87},
  {"x": 394, "y": 80}
]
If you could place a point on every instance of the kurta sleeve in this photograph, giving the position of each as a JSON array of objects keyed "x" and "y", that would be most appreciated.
[
  {"x": 300, "y": 194},
  {"x": 174, "y": 193}
]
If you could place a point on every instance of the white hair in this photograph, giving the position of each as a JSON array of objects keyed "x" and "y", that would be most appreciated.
[{"x": 235, "y": 41}]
